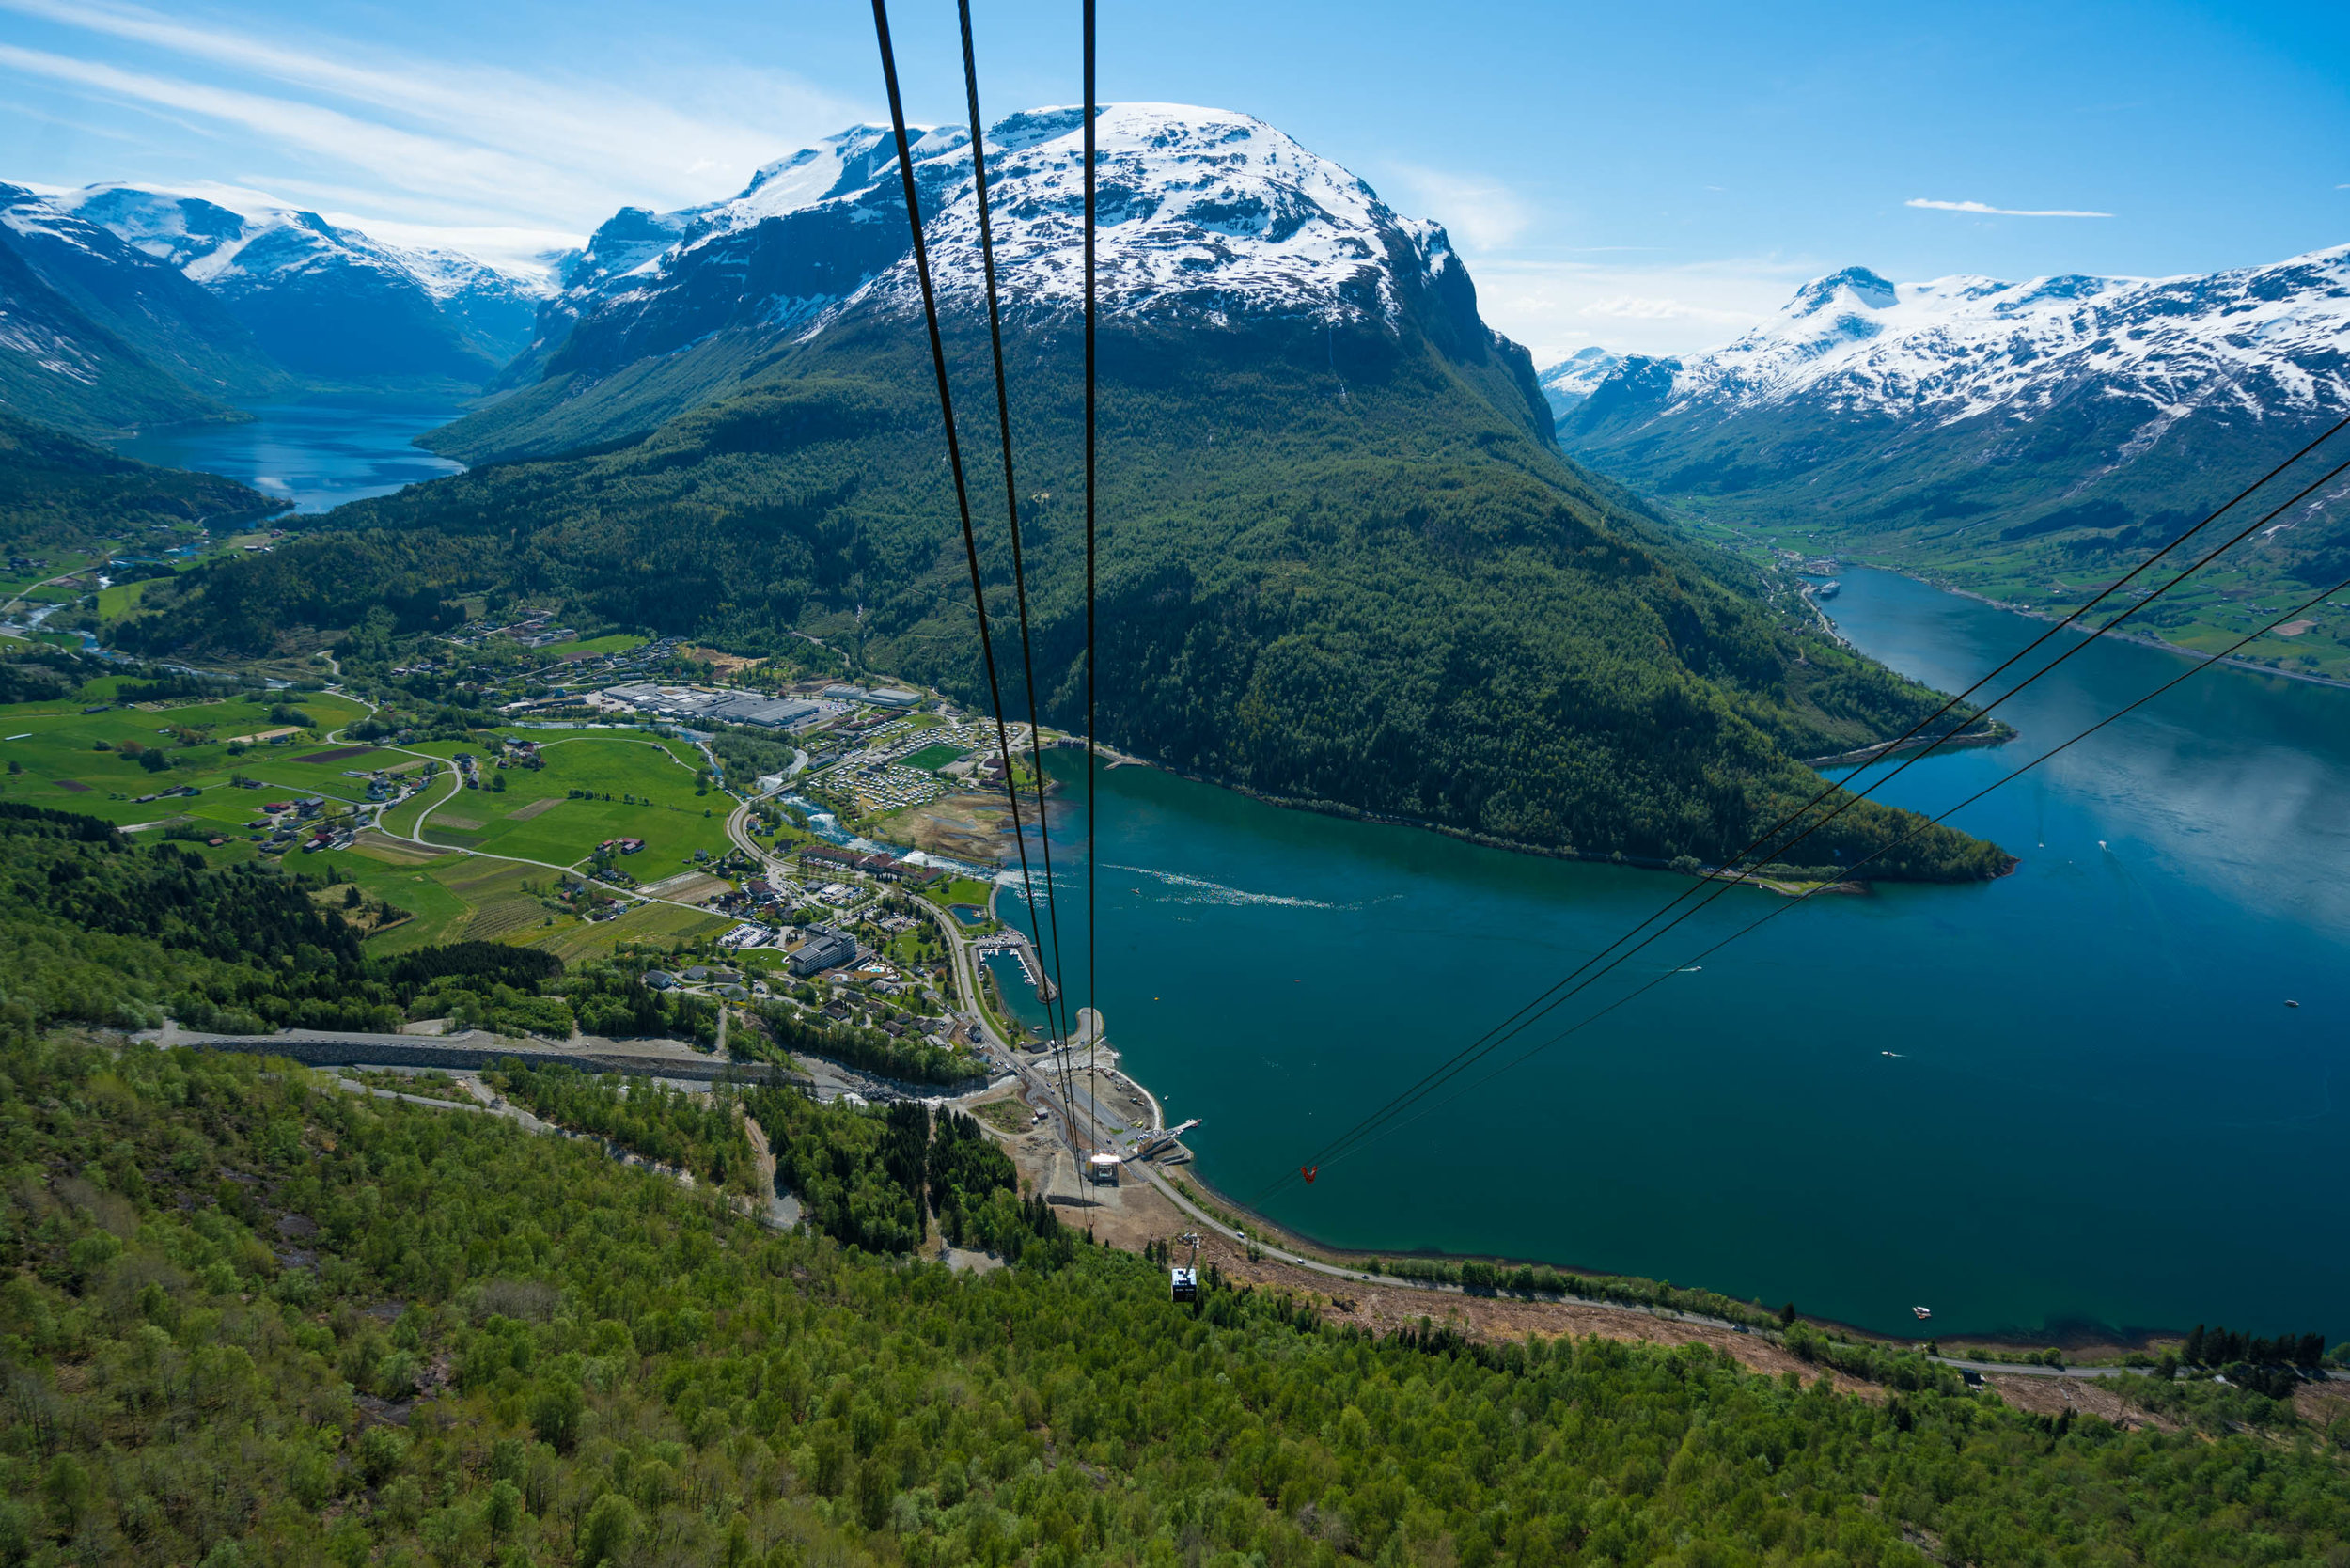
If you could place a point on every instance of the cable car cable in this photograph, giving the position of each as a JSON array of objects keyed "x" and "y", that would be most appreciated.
[
  {"x": 1496, "y": 1037},
  {"x": 1058, "y": 1034},
  {"x": 1093, "y": 993},
  {"x": 2187, "y": 674},
  {"x": 1543, "y": 1001},
  {"x": 954, "y": 446}
]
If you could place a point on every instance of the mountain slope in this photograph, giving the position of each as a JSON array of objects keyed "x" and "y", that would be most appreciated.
[
  {"x": 58, "y": 364},
  {"x": 143, "y": 302},
  {"x": 2027, "y": 439},
  {"x": 56, "y": 489},
  {"x": 1566, "y": 383},
  {"x": 1211, "y": 219},
  {"x": 325, "y": 300},
  {"x": 1342, "y": 563}
]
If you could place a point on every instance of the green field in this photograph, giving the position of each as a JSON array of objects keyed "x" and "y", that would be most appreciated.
[
  {"x": 452, "y": 898},
  {"x": 575, "y": 941},
  {"x": 933, "y": 758},
  {"x": 54, "y": 745},
  {"x": 533, "y": 819},
  {"x": 115, "y": 603},
  {"x": 613, "y": 642}
]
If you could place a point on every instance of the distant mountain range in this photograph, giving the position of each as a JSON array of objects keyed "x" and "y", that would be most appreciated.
[
  {"x": 1210, "y": 220},
  {"x": 2023, "y": 438},
  {"x": 127, "y": 305},
  {"x": 1342, "y": 562},
  {"x": 1566, "y": 383}
]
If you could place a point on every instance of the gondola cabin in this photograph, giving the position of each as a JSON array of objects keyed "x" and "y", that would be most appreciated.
[{"x": 1182, "y": 1284}]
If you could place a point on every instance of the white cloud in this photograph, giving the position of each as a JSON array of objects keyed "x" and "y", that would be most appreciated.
[
  {"x": 1478, "y": 212},
  {"x": 1557, "y": 307},
  {"x": 2000, "y": 212},
  {"x": 436, "y": 141}
]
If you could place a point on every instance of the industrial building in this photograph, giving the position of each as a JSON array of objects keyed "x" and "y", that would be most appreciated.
[
  {"x": 823, "y": 950},
  {"x": 714, "y": 707}
]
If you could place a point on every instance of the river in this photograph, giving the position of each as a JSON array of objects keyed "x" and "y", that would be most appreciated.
[
  {"x": 316, "y": 454},
  {"x": 2069, "y": 1100}
]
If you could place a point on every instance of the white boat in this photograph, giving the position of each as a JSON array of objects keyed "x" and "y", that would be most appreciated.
[{"x": 1922, "y": 1312}]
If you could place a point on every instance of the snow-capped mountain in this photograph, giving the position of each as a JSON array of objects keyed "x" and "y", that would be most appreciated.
[
  {"x": 95, "y": 334},
  {"x": 1956, "y": 400},
  {"x": 1573, "y": 378},
  {"x": 2260, "y": 340},
  {"x": 1210, "y": 219},
  {"x": 322, "y": 300}
]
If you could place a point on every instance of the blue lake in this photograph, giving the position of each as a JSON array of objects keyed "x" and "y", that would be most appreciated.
[
  {"x": 2096, "y": 1111},
  {"x": 316, "y": 454}
]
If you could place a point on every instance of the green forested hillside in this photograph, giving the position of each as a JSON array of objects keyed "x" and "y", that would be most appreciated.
[
  {"x": 97, "y": 930},
  {"x": 248, "y": 1320},
  {"x": 1345, "y": 571},
  {"x": 56, "y": 488}
]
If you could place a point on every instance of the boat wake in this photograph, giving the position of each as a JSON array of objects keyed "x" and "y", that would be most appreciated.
[{"x": 1194, "y": 890}]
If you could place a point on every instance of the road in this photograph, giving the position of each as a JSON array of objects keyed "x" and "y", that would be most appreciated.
[
  {"x": 1082, "y": 1117},
  {"x": 456, "y": 786}
]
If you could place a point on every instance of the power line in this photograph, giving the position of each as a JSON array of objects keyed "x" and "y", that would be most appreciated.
[
  {"x": 954, "y": 446},
  {"x": 1468, "y": 1056},
  {"x": 1548, "y": 998},
  {"x": 2187, "y": 674}
]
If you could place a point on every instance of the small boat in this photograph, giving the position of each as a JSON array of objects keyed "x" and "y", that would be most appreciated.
[
  {"x": 2290, "y": 1002},
  {"x": 1895, "y": 1055},
  {"x": 1923, "y": 1313}
]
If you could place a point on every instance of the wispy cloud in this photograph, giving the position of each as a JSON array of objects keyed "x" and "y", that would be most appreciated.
[
  {"x": 2001, "y": 212},
  {"x": 1479, "y": 212},
  {"x": 435, "y": 141},
  {"x": 1557, "y": 307}
]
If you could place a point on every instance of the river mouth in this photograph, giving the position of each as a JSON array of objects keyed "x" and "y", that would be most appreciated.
[{"x": 2072, "y": 1097}]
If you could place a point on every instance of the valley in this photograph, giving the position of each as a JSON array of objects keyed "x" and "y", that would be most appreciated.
[
  {"x": 2031, "y": 442},
  {"x": 559, "y": 1004}
]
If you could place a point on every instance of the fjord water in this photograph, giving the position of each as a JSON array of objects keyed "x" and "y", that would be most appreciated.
[
  {"x": 318, "y": 455},
  {"x": 2068, "y": 1098}
]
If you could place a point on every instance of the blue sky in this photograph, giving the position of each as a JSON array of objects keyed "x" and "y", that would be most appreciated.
[{"x": 1649, "y": 178}]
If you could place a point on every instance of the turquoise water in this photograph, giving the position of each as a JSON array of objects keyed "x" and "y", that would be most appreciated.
[
  {"x": 316, "y": 455},
  {"x": 2098, "y": 1112}
]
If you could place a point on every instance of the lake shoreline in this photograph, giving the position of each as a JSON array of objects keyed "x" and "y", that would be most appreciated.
[{"x": 2101, "y": 1340}]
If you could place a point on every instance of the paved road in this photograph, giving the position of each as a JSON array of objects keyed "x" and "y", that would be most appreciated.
[{"x": 456, "y": 786}]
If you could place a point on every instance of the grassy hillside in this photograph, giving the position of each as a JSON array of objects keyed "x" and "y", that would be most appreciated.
[
  {"x": 1338, "y": 571},
  {"x": 251, "y": 1319}
]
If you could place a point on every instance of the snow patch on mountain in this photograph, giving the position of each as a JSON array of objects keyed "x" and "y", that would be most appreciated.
[
  {"x": 2258, "y": 339},
  {"x": 1204, "y": 213},
  {"x": 1574, "y": 379},
  {"x": 258, "y": 242}
]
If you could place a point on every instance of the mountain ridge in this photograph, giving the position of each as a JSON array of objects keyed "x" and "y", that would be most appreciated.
[
  {"x": 2023, "y": 440},
  {"x": 127, "y": 305},
  {"x": 1211, "y": 217}
]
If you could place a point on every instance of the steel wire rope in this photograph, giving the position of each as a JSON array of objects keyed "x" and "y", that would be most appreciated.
[
  {"x": 1053, "y": 973},
  {"x": 1825, "y": 793},
  {"x": 1495, "y": 1037},
  {"x": 1887, "y": 749},
  {"x": 2187, "y": 674},
  {"x": 1093, "y": 993},
  {"x": 954, "y": 455}
]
